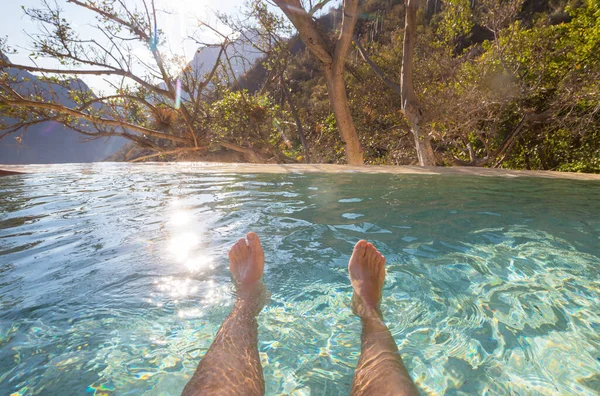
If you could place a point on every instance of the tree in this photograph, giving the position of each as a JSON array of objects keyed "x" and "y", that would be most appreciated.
[
  {"x": 267, "y": 32},
  {"x": 409, "y": 103},
  {"x": 526, "y": 97},
  {"x": 332, "y": 60},
  {"x": 162, "y": 105}
]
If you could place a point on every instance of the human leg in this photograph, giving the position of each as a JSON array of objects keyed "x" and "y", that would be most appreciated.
[
  {"x": 380, "y": 370},
  {"x": 232, "y": 364}
]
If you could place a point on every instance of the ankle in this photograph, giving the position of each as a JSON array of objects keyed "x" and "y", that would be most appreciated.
[
  {"x": 252, "y": 298},
  {"x": 251, "y": 290},
  {"x": 370, "y": 314},
  {"x": 373, "y": 325}
]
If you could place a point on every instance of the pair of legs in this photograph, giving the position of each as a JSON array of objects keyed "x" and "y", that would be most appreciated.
[{"x": 232, "y": 364}]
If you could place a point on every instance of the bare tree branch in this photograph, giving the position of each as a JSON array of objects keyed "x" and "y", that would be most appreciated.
[{"x": 376, "y": 69}]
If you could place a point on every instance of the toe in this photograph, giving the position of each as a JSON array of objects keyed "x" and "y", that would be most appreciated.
[
  {"x": 234, "y": 257},
  {"x": 379, "y": 262},
  {"x": 380, "y": 258},
  {"x": 360, "y": 244},
  {"x": 232, "y": 260},
  {"x": 239, "y": 248},
  {"x": 233, "y": 252},
  {"x": 367, "y": 261},
  {"x": 253, "y": 241},
  {"x": 370, "y": 253},
  {"x": 380, "y": 266},
  {"x": 360, "y": 248}
]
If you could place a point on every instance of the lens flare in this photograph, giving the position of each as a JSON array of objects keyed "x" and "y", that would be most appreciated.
[
  {"x": 178, "y": 94},
  {"x": 154, "y": 40}
]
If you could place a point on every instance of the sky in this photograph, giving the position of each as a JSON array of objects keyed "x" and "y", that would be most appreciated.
[{"x": 177, "y": 23}]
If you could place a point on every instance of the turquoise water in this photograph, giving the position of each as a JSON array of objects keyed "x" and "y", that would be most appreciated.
[{"x": 113, "y": 278}]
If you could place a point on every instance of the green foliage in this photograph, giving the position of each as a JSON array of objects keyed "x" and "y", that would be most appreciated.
[
  {"x": 241, "y": 118},
  {"x": 557, "y": 67},
  {"x": 457, "y": 20},
  {"x": 480, "y": 68}
]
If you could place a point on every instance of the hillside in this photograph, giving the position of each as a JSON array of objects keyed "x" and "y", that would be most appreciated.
[
  {"x": 51, "y": 142},
  {"x": 512, "y": 84},
  {"x": 503, "y": 84}
]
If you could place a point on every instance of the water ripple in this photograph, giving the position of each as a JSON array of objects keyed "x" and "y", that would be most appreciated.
[{"x": 113, "y": 278}]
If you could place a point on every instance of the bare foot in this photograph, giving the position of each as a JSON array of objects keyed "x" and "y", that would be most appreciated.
[
  {"x": 367, "y": 274},
  {"x": 247, "y": 260}
]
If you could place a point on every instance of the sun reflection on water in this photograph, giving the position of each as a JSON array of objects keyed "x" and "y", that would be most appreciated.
[
  {"x": 180, "y": 218},
  {"x": 187, "y": 248},
  {"x": 180, "y": 246},
  {"x": 474, "y": 307},
  {"x": 200, "y": 262}
]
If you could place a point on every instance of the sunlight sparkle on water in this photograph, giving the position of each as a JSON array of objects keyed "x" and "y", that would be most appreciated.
[
  {"x": 477, "y": 303},
  {"x": 180, "y": 246},
  {"x": 199, "y": 263},
  {"x": 180, "y": 218},
  {"x": 177, "y": 287}
]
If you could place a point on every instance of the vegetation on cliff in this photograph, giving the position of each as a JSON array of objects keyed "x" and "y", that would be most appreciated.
[{"x": 498, "y": 83}]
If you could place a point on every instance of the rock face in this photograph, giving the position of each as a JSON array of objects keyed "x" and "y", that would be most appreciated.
[
  {"x": 52, "y": 142},
  {"x": 242, "y": 55}
]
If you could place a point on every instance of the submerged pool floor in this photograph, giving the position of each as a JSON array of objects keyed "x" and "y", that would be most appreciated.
[{"x": 113, "y": 279}]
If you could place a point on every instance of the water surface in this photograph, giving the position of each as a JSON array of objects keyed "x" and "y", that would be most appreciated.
[{"x": 113, "y": 278}]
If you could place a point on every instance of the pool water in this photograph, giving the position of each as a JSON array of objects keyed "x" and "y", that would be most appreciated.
[{"x": 113, "y": 278}]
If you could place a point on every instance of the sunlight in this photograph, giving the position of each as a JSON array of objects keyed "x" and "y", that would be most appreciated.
[
  {"x": 184, "y": 245},
  {"x": 176, "y": 202},
  {"x": 177, "y": 288},
  {"x": 190, "y": 313},
  {"x": 200, "y": 262},
  {"x": 209, "y": 293},
  {"x": 180, "y": 218},
  {"x": 181, "y": 245}
]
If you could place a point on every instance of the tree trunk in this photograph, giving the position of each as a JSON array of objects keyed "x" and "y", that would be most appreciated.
[
  {"x": 425, "y": 153},
  {"x": 339, "y": 103},
  {"x": 332, "y": 65},
  {"x": 296, "y": 116},
  {"x": 422, "y": 142},
  {"x": 410, "y": 103}
]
